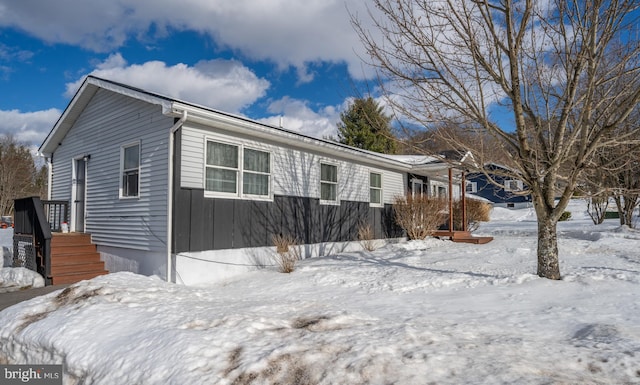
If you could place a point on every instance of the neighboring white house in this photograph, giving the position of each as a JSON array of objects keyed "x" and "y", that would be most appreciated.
[{"x": 187, "y": 192}]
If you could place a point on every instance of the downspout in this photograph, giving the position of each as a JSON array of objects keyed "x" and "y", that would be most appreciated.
[
  {"x": 49, "y": 162},
  {"x": 170, "y": 186}
]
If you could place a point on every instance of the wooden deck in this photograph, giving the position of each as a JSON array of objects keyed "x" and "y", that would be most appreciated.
[
  {"x": 462, "y": 236},
  {"x": 74, "y": 258}
]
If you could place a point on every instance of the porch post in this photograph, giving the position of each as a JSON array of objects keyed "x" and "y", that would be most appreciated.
[
  {"x": 450, "y": 200},
  {"x": 463, "y": 191}
]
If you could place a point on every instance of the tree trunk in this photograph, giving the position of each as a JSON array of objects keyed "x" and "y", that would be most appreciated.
[{"x": 548, "y": 265}]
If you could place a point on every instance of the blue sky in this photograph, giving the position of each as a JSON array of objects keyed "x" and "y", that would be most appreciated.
[{"x": 264, "y": 59}]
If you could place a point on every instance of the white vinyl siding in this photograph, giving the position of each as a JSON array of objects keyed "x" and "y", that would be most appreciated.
[
  {"x": 292, "y": 172},
  {"x": 108, "y": 122}
]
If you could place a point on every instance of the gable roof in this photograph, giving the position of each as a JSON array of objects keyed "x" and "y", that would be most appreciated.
[{"x": 205, "y": 115}]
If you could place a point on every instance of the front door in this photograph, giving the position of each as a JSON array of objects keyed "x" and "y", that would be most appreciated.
[{"x": 79, "y": 192}]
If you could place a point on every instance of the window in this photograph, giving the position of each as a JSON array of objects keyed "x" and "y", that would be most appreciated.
[
  {"x": 416, "y": 187},
  {"x": 223, "y": 170},
  {"x": 438, "y": 190},
  {"x": 130, "y": 163},
  {"x": 471, "y": 187},
  {"x": 513, "y": 185},
  {"x": 255, "y": 178},
  {"x": 375, "y": 188},
  {"x": 328, "y": 182}
]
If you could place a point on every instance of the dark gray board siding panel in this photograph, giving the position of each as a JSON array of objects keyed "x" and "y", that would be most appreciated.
[
  {"x": 296, "y": 218},
  {"x": 330, "y": 223},
  {"x": 241, "y": 225},
  {"x": 287, "y": 216},
  {"x": 362, "y": 217},
  {"x": 259, "y": 231},
  {"x": 181, "y": 221},
  {"x": 345, "y": 218},
  {"x": 214, "y": 224},
  {"x": 349, "y": 218},
  {"x": 273, "y": 220},
  {"x": 197, "y": 221},
  {"x": 304, "y": 215},
  {"x": 208, "y": 223},
  {"x": 223, "y": 229},
  {"x": 391, "y": 228},
  {"x": 315, "y": 221},
  {"x": 375, "y": 220},
  {"x": 249, "y": 225}
]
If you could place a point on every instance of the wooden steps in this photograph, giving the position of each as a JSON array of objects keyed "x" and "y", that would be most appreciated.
[
  {"x": 462, "y": 236},
  {"x": 74, "y": 258}
]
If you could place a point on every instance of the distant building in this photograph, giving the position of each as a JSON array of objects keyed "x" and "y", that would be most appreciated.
[{"x": 506, "y": 193}]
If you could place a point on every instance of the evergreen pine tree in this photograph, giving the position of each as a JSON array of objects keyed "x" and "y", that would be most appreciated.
[{"x": 364, "y": 125}]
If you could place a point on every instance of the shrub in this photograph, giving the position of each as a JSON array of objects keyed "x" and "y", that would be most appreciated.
[
  {"x": 287, "y": 252},
  {"x": 477, "y": 211},
  {"x": 366, "y": 236},
  {"x": 419, "y": 215},
  {"x": 565, "y": 216}
]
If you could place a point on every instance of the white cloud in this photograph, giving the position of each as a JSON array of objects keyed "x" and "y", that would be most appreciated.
[
  {"x": 28, "y": 127},
  {"x": 226, "y": 85},
  {"x": 221, "y": 84},
  {"x": 285, "y": 32},
  {"x": 297, "y": 116}
]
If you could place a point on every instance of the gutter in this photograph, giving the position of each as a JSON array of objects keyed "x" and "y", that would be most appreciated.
[{"x": 170, "y": 186}]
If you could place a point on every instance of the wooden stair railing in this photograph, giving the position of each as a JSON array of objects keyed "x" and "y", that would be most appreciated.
[{"x": 61, "y": 258}]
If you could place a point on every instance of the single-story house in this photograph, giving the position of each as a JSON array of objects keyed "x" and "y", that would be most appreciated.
[
  {"x": 193, "y": 194},
  {"x": 507, "y": 191}
]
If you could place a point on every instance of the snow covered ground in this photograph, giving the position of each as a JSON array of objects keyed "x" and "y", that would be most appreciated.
[{"x": 413, "y": 313}]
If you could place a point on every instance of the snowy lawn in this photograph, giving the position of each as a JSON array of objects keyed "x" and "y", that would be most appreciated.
[
  {"x": 414, "y": 313},
  {"x": 12, "y": 279}
]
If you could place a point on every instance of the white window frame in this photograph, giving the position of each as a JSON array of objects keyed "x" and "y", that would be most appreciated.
[
  {"x": 268, "y": 174},
  {"x": 381, "y": 203},
  {"x": 474, "y": 187},
  {"x": 436, "y": 187},
  {"x": 122, "y": 170},
  {"x": 240, "y": 171},
  {"x": 417, "y": 182},
  {"x": 507, "y": 185},
  {"x": 237, "y": 169},
  {"x": 336, "y": 183}
]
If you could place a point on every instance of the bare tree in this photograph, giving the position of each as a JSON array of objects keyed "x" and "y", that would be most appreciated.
[
  {"x": 623, "y": 181},
  {"x": 566, "y": 71},
  {"x": 17, "y": 173}
]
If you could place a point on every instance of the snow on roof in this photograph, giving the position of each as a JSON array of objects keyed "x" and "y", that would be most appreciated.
[{"x": 413, "y": 159}]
